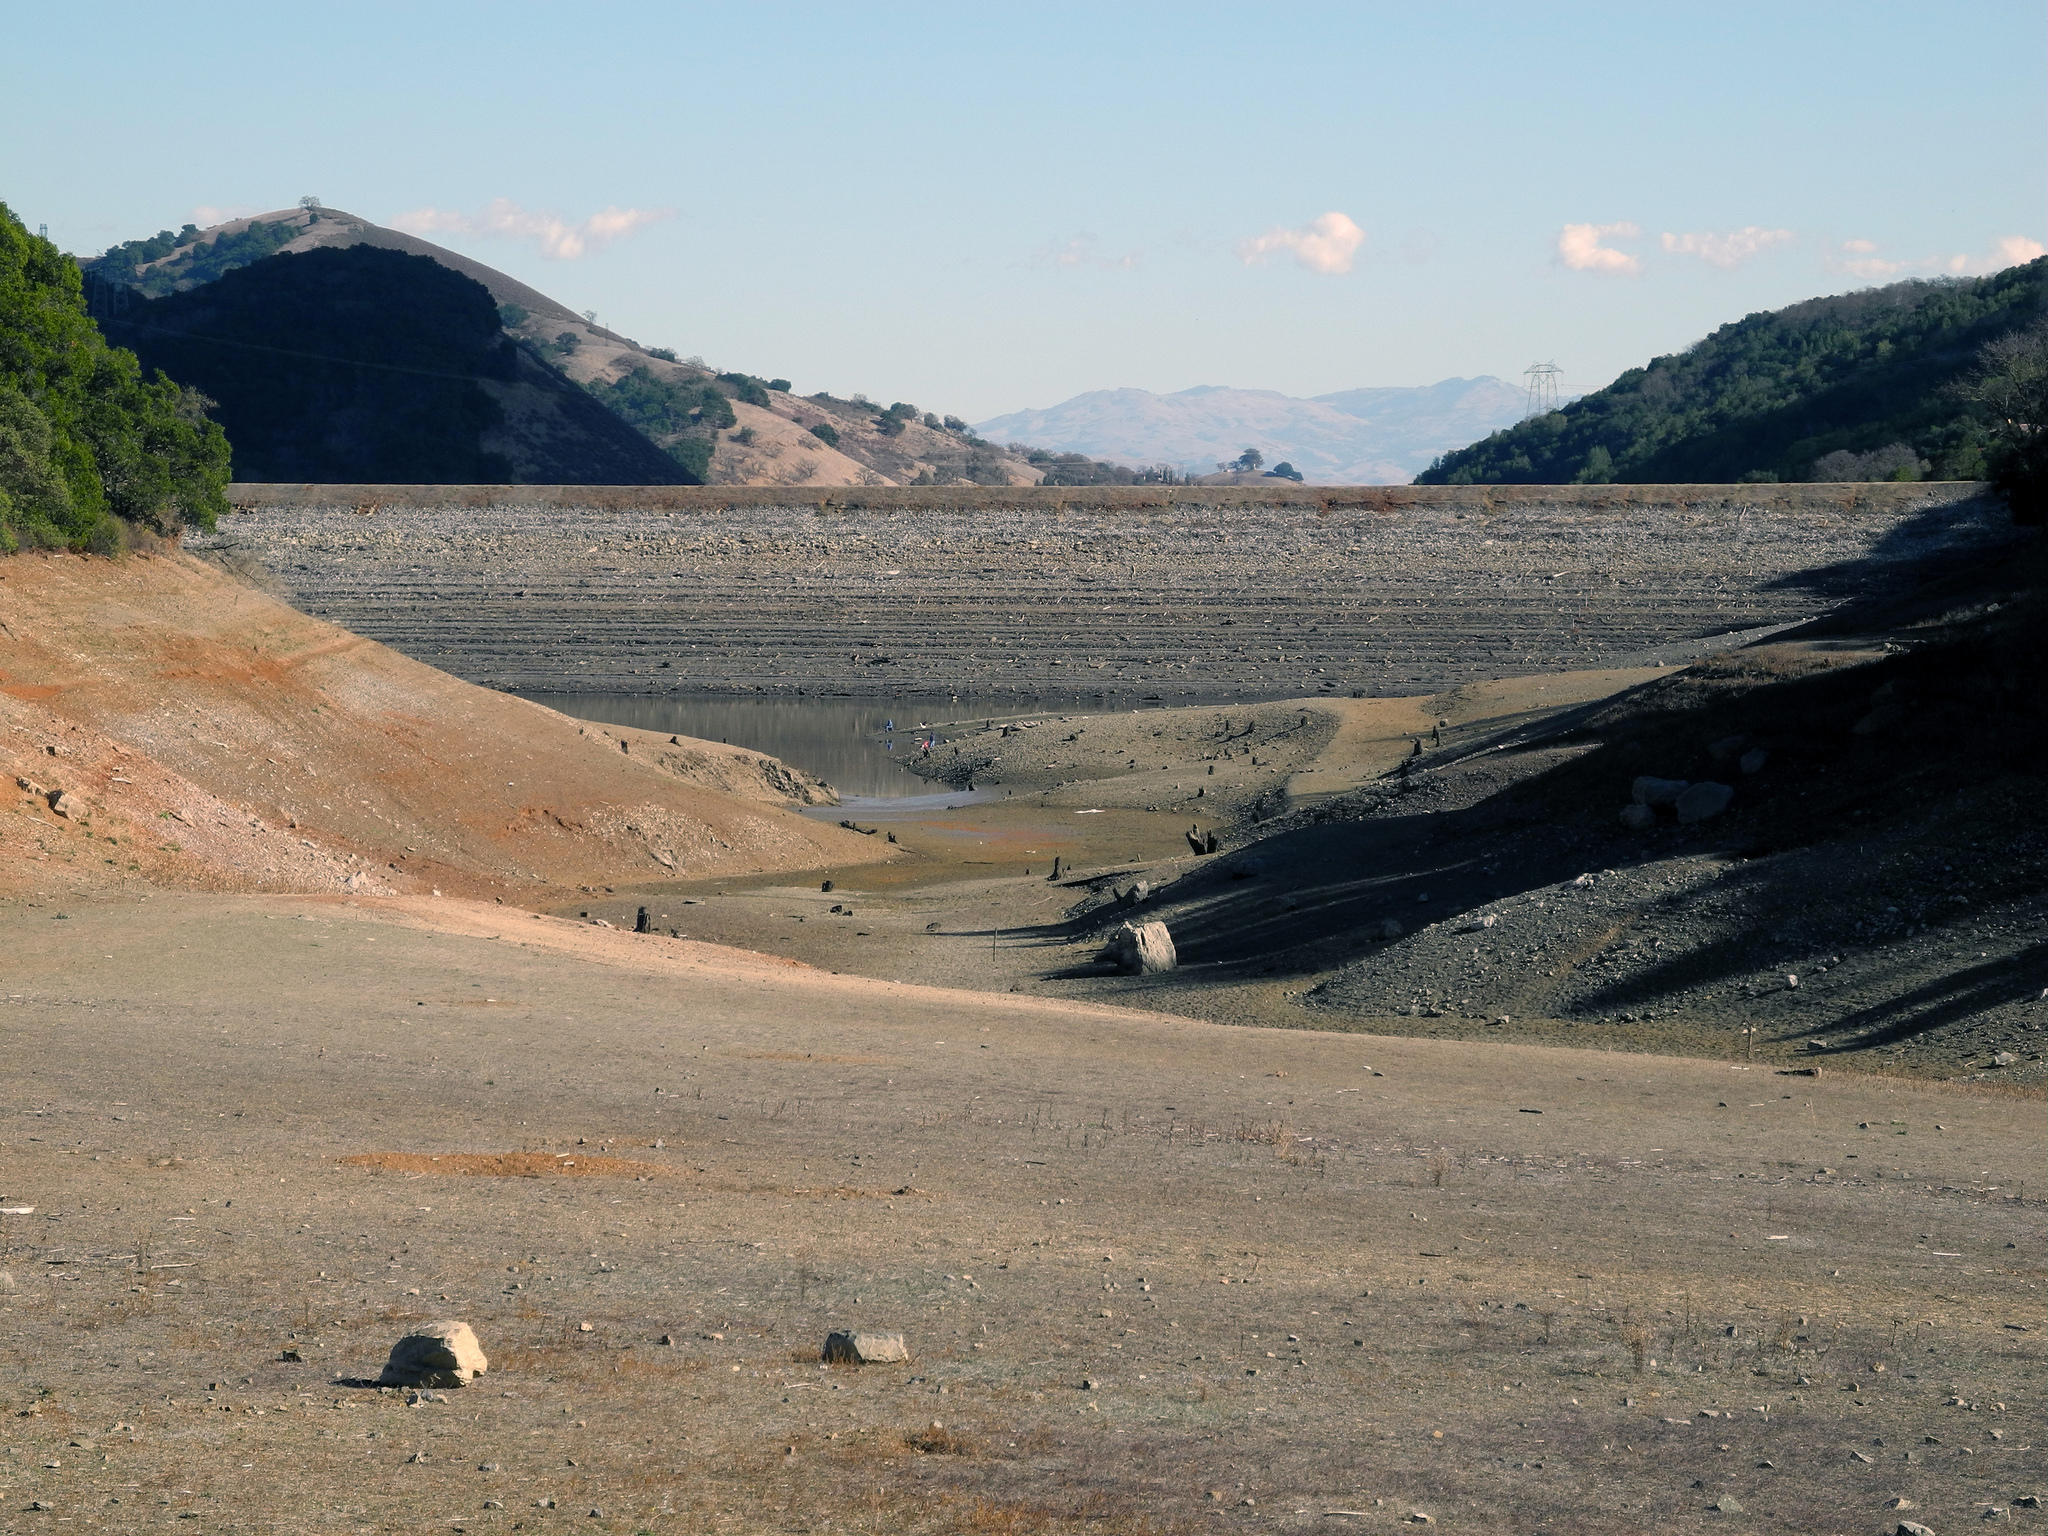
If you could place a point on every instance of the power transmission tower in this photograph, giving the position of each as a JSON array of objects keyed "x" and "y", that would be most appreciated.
[
  {"x": 42, "y": 231},
  {"x": 1541, "y": 381}
]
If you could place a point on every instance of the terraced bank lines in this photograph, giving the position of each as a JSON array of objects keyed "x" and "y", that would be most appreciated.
[{"x": 1389, "y": 590}]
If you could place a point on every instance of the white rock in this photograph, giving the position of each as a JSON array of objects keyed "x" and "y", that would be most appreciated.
[
  {"x": 1703, "y": 801},
  {"x": 1143, "y": 949},
  {"x": 859, "y": 1347},
  {"x": 1654, "y": 791},
  {"x": 444, "y": 1354}
]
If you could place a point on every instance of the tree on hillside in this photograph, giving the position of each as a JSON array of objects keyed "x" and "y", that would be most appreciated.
[
  {"x": 1248, "y": 461},
  {"x": 86, "y": 442},
  {"x": 2011, "y": 382}
]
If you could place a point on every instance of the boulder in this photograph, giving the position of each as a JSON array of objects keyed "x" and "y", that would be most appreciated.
[
  {"x": 1638, "y": 817},
  {"x": 1754, "y": 759},
  {"x": 1881, "y": 719},
  {"x": 1912, "y": 1528},
  {"x": 1143, "y": 949},
  {"x": 857, "y": 1347},
  {"x": 442, "y": 1354},
  {"x": 1386, "y": 928},
  {"x": 1702, "y": 802},
  {"x": 1654, "y": 791},
  {"x": 1727, "y": 747}
]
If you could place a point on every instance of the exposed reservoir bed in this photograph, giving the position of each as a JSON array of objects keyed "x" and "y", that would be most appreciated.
[
  {"x": 855, "y": 745},
  {"x": 1182, "y": 595}
]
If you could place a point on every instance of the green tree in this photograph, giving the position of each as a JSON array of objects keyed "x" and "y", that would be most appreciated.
[
  {"x": 2010, "y": 381},
  {"x": 1599, "y": 468},
  {"x": 123, "y": 446}
]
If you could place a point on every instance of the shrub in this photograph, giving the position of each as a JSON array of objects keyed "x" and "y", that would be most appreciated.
[
  {"x": 779, "y": 384},
  {"x": 666, "y": 354},
  {"x": 826, "y": 433},
  {"x": 511, "y": 316},
  {"x": 1894, "y": 461}
]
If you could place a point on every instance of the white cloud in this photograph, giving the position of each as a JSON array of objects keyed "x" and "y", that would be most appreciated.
[
  {"x": 1738, "y": 245},
  {"x": 2010, "y": 251},
  {"x": 1323, "y": 245},
  {"x": 558, "y": 238},
  {"x": 1084, "y": 250},
  {"x": 206, "y": 215},
  {"x": 1579, "y": 247}
]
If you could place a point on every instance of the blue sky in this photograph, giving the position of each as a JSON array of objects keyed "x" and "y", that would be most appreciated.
[{"x": 980, "y": 208}]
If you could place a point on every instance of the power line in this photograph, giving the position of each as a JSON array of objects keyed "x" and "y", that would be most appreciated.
[{"x": 1541, "y": 384}]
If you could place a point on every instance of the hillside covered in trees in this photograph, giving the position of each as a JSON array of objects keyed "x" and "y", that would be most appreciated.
[
  {"x": 1860, "y": 386},
  {"x": 88, "y": 444}
]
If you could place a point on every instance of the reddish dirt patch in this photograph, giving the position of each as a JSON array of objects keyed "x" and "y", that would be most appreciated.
[{"x": 508, "y": 1165}]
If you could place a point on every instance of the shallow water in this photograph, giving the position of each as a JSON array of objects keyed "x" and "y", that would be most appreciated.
[{"x": 849, "y": 743}]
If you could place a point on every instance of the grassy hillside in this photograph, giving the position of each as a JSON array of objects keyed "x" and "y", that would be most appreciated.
[
  {"x": 361, "y": 364},
  {"x": 723, "y": 427},
  {"x": 1857, "y": 386},
  {"x": 87, "y": 443}
]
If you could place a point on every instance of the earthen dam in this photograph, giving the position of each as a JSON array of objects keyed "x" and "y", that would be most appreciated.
[{"x": 1167, "y": 591}]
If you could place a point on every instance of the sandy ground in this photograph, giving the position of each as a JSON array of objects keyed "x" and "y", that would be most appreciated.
[
  {"x": 1152, "y": 1271},
  {"x": 1506, "y": 1226}
]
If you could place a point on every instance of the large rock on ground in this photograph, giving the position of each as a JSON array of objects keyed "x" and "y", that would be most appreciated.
[
  {"x": 1703, "y": 801},
  {"x": 439, "y": 1355},
  {"x": 1143, "y": 949},
  {"x": 1650, "y": 790},
  {"x": 856, "y": 1347}
]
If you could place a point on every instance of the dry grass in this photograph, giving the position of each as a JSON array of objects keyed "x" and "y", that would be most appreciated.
[{"x": 508, "y": 1165}]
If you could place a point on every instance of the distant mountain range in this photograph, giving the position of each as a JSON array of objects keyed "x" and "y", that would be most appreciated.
[{"x": 1352, "y": 437}]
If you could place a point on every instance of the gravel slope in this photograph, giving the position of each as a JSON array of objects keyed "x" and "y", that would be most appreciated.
[{"x": 1377, "y": 592}]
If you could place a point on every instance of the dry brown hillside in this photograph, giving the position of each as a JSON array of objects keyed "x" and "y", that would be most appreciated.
[
  {"x": 771, "y": 445},
  {"x": 164, "y": 723}
]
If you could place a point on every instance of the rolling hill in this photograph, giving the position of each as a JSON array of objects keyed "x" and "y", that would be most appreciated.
[
  {"x": 1850, "y": 387},
  {"x": 357, "y": 364},
  {"x": 723, "y": 428},
  {"x": 1353, "y": 437}
]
